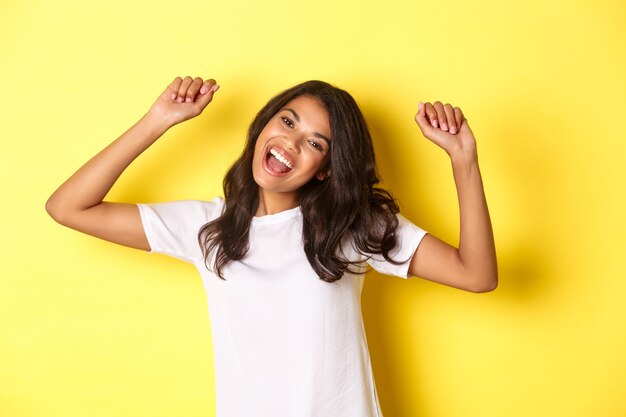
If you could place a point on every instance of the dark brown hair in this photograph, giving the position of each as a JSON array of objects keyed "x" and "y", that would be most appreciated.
[{"x": 345, "y": 205}]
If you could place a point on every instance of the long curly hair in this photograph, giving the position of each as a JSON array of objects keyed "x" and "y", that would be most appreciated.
[{"x": 345, "y": 205}]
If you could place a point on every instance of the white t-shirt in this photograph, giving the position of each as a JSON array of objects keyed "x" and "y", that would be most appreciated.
[{"x": 286, "y": 343}]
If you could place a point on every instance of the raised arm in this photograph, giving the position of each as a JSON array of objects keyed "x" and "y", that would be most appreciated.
[
  {"x": 78, "y": 202},
  {"x": 472, "y": 266}
]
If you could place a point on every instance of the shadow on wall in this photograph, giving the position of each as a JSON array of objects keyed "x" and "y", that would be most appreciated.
[
  {"x": 518, "y": 204},
  {"x": 193, "y": 155},
  {"x": 521, "y": 186}
]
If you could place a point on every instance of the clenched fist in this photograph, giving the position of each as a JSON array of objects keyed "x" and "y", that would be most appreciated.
[
  {"x": 447, "y": 127},
  {"x": 184, "y": 99}
]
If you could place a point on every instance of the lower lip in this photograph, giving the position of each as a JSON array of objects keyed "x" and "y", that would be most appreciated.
[{"x": 270, "y": 171}]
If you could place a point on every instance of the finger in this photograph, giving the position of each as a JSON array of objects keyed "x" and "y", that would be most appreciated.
[
  {"x": 436, "y": 135},
  {"x": 193, "y": 89},
  {"x": 441, "y": 115},
  {"x": 422, "y": 117},
  {"x": 207, "y": 85},
  {"x": 431, "y": 114},
  {"x": 458, "y": 117},
  {"x": 174, "y": 86},
  {"x": 204, "y": 99},
  {"x": 182, "y": 90},
  {"x": 452, "y": 127}
]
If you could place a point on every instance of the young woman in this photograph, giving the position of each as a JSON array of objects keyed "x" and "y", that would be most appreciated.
[{"x": 282, "y": 255}]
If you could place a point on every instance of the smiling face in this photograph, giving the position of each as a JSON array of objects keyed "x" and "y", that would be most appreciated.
[{"x": 291, "y": 148}]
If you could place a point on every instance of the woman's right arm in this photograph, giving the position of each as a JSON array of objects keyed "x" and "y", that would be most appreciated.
[{"x": 78, "y": 202}]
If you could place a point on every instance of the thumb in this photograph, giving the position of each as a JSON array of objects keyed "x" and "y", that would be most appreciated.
[
  {"x": 421, "y": 120},
  {"x": 441, "y": 138},
  {"x": 204, "y": 99}
]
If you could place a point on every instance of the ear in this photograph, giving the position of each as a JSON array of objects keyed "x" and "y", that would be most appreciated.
[{"x": 322, "y": 175}]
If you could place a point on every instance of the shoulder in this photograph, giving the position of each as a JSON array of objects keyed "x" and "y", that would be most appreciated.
[
  {"x": 206, "y": 209},
  {"x": 196, "y": 211}
]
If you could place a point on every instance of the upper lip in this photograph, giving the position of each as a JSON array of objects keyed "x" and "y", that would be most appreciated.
[{"x": 282, "y": 152}]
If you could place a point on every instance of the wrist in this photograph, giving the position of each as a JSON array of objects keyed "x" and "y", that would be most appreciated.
[
  {"x": 156, "y": 123},
  {"x": 464, "y": 158},
  {"x": 464, "y": 164}
]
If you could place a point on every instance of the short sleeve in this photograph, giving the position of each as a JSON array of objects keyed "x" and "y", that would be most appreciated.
[
  {"x": 409, "y": 237},
  {"x": 172, "y": 227}
]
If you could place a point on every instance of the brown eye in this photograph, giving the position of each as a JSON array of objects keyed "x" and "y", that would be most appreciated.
[
  {"x": 287, "y": 121},
  {"x": 316, "y": 145}
]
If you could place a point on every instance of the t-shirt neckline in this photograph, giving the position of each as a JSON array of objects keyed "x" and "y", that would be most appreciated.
[{"x": 281, "y": 215}]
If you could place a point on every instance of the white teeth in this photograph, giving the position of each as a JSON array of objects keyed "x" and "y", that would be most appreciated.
[{"x": 281, "y": 158}]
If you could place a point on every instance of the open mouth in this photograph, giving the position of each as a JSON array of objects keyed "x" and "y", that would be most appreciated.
[{"x": 277, "y": 162}]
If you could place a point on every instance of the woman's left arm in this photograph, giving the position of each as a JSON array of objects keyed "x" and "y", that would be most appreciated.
[{"x": 472, "y": 266}]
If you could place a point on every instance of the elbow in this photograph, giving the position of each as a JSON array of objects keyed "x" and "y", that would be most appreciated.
[
  {"x": 53, "y": 210},
  {"x": 50, "y": 208},
  {"x": 484, "y": 285}
]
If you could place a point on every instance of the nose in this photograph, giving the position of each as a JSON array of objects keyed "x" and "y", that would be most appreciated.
[{"x": 291, "y": 142}]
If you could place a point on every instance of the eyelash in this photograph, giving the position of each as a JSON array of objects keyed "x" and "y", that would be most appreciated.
[{"x": 289, "y": 123}]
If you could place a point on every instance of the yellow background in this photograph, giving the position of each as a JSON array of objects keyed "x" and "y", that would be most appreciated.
[{"x": 89, "y": 328}]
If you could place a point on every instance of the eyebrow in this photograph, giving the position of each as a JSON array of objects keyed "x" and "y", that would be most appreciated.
[{"x": 317, "y": 134}]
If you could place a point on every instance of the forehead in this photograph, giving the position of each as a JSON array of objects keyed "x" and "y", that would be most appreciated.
[
  {"x": 310, "y": 111},
  {"x": 308, "y": 106},
  {"x": 306, "y": 101}
]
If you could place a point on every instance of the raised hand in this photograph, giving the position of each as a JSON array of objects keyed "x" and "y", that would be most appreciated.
[
  {"x": 447, "y": 127},
  {"x": 185, "y": 98}
]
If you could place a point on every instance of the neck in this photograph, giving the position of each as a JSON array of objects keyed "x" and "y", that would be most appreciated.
[{"x": 272, "y": 203}]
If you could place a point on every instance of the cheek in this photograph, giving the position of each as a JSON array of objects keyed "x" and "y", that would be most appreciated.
[
  {"x": 258, "y": 149},
  {"x": 315, "y": 160},
  {"x": 259, "y": 146},
  {"x": 272, "y": 128}
]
